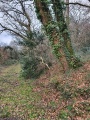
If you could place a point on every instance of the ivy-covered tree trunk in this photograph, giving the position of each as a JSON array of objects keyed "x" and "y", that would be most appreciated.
[
  {"x": 57, "y": 31},
  {"x": 73, "y": 61},
  {"x": 44, "y": 15},
  {"x": 58, "y": 9}
]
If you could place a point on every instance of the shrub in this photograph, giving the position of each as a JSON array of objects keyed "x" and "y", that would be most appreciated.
[
  {"x": 75, "y": 63},
  {"x": 30, "y": 67}
]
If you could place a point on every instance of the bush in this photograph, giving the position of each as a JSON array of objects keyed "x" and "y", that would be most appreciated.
[
  {"x": 75, "y": 63},
  {"x": 30, "y": 67}
]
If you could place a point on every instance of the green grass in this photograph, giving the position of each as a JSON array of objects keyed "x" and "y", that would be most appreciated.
[{"x": 16, "y": 96}]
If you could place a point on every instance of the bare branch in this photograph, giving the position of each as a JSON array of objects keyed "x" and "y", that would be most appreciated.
[
  {"x": 77, "y": 3},
  {"x": 15, "y": 17},
  {"x": 12, "y": 31}
]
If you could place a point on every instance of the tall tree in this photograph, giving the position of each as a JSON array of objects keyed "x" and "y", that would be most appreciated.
[
  {"x": 15, "y": 17},
  {"x": 57, "y": 31},
  {"x": 43, "y": 13}
]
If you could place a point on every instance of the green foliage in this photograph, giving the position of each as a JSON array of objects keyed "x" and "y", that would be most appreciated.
[
  {"x": 56, "y": 51},
  {"x": 70, "y": 107},
  {"x": 51, "y": 26},
  {"x": 30, "y": 40},
  {"x": 30, "y": 64},
  {"x": 30, "y": 67},
  {"x": 84, "y": 92},
  {"x": 4, "y": 113},
  {"x": 63, "y": 115},
  {"x": 10, "y": 62},
  {"x": 65, "y": 91},
  {"x": 52, "y": 104},
  {"x": 75, "y": 62}
]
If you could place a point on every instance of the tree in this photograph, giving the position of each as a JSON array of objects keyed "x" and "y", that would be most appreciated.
[
  {"x": 57, "y": 31},
  {"x": 79, "y": 26},
  {"x": 78, "y": 3},
  {"x": 43, "y": 13},
  {"x": 15, "y": 17},
  {"x": 18, "y": 21}
]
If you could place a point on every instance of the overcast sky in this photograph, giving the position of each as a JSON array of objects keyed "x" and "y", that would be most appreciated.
[{"x": 4, "y": 37}]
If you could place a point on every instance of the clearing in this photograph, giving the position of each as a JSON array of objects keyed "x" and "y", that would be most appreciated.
[{"x": 54, "y": 96}]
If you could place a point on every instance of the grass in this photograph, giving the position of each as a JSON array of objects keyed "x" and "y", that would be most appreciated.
[
  {"x": 17, "y": 97},
  {"x": 62, "y": 98}
]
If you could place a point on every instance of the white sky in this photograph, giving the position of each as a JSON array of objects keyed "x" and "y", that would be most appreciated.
[{"x": 4, "y": 37}]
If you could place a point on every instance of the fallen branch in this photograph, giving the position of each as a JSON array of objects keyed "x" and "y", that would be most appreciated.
[{"x": 42, "y": 61}]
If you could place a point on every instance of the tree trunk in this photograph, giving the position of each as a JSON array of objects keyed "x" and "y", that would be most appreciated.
[
  {"x": 43, "y": 13},
  {"x": 57, "y": 31},
  {"x": 58, "y": 9},
  {"x": 67, "y": 12}
]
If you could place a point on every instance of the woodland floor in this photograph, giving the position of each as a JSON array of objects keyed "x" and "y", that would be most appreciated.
[{"x": 54, "y": 96}]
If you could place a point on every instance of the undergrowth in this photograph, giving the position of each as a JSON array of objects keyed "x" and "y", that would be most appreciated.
[{"x": 58, "y": 98}]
